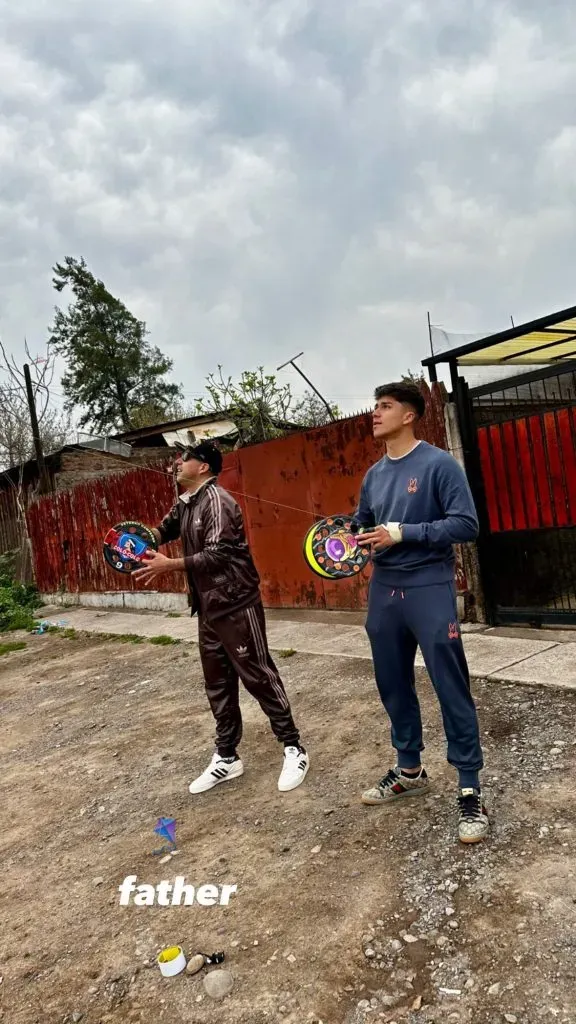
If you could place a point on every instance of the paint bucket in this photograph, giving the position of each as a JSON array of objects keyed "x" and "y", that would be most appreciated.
[{"x": 172, "y": 961}]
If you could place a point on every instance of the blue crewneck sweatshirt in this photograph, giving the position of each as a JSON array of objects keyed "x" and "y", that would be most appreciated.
[{"x": 427, "y": 493}]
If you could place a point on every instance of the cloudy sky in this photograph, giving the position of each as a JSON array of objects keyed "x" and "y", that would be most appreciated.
[{"x": 254, "y": 178}]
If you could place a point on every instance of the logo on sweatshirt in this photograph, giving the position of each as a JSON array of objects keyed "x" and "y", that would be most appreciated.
[
  {"x": 413, "y": 485},
  {"x": 241, "y": 652},
  {"x": 453, "y": 631}
]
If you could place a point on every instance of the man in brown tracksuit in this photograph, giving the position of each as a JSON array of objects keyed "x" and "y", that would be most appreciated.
[{"x": 225, "y": 592}]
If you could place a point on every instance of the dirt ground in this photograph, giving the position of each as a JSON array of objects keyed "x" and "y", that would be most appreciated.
[{"x": 344, "y": 914}]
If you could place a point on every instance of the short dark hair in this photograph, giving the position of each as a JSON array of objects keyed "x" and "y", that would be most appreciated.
[{"x": 405, "y": 392}]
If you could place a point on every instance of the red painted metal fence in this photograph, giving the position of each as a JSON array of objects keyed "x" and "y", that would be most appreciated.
[
  {"x": 529, "y": 470},
  {"x": 66, "y": 530},
  {"x": 281, "y": 486},
  {"x": 293, "y": 481}
]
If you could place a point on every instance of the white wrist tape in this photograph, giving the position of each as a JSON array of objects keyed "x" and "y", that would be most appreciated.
[{"x": 395, "y": 531}]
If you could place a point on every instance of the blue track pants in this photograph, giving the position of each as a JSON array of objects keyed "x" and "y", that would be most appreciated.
[{"x": 398, "y": 622}]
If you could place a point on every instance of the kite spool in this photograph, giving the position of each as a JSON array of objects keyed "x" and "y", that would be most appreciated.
[
  {"x": 126, "y": 545},
  {"x": 172, "y": 961},
  {"x": 332, "y": 551}
]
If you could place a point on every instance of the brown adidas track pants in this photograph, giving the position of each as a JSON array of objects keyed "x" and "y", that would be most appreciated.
[{"x": 233, "y": 647}]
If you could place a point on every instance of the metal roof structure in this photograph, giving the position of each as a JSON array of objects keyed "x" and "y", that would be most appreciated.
[
  {"x": 202, "y": 426},
  {"x": 549, "y": 340},
  {"x": 219, "y": 427}
]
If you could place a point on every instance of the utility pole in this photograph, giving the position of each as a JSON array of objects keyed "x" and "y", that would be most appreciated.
[
  {"x": 44, "y": 479},
  {"x": 291, "y": 362}
]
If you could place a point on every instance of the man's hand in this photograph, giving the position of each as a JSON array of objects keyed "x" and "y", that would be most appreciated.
[
  {"x": 156, "y": 565},
  {"x": 377, "y": 539}
]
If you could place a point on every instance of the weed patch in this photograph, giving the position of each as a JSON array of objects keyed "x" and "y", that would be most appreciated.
[
  {"x": 17, "y": 600},
  {"x": 15, "y": 645}
]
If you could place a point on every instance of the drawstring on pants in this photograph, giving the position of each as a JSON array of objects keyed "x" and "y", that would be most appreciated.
[{"x": 401, "y": 594}]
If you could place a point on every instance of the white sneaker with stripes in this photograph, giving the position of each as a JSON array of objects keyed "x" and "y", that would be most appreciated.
[
  {"x": 217, "y": 771},
  {"x": 294, "y": 769}
]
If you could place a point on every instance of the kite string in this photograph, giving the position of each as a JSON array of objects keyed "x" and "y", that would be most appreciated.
[
  {"x": 279, "y": 504},
  {"x": 242, "y": 494}
]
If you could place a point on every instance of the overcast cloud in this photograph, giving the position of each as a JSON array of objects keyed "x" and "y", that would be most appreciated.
[{"x": 254, "y": 178}]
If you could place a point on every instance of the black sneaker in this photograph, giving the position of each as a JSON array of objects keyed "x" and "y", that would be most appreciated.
[{"x": 474, "y": 824}]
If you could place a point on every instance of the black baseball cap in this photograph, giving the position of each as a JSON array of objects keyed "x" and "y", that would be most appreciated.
[{"x": 205, "y": 451}]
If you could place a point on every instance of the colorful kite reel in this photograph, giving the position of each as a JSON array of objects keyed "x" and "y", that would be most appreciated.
[
  {"x": 331, "y": 548},
  {"x": 126, "y": 544}
]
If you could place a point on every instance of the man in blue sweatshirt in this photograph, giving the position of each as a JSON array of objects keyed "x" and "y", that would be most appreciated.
[{"x": 415, "y": 503}]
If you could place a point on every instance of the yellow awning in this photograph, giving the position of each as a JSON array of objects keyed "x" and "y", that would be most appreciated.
[{"x": 550, "y": 340}]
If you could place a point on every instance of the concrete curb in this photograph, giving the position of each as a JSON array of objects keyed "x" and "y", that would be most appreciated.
[{"x": 508, "y": 660}]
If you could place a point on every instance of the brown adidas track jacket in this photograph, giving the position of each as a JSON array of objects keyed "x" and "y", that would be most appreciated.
[{"x": 221, "y": 573}]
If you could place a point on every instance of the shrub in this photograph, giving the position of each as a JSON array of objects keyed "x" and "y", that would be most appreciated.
[{"x": 17, "y": 600}]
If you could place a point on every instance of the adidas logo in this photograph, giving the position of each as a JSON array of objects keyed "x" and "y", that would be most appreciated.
[{"x": 241, "y": 651}]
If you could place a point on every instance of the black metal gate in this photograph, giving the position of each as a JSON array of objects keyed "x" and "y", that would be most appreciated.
[{"x": 520, "y": 438}]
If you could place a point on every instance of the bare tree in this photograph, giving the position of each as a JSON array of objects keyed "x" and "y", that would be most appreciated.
[{"x": 16, "y": 441}]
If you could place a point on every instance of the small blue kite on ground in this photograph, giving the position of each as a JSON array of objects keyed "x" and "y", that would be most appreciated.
[{"x": 166, "y": 827}]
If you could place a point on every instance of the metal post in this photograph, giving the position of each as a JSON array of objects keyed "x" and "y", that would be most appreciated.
[
  {"x": 44, "y": 478},
  {"x": 471, "y": 453},
  {"x": 290, "y": 362},
  {"x": 430, "y": 335},
  {"x": 453, "y": 366}
]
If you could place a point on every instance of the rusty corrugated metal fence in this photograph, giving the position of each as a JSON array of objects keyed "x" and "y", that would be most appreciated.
[
  {"x": 66, "y": 530},
  {"x": 281, "y": 486}
]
